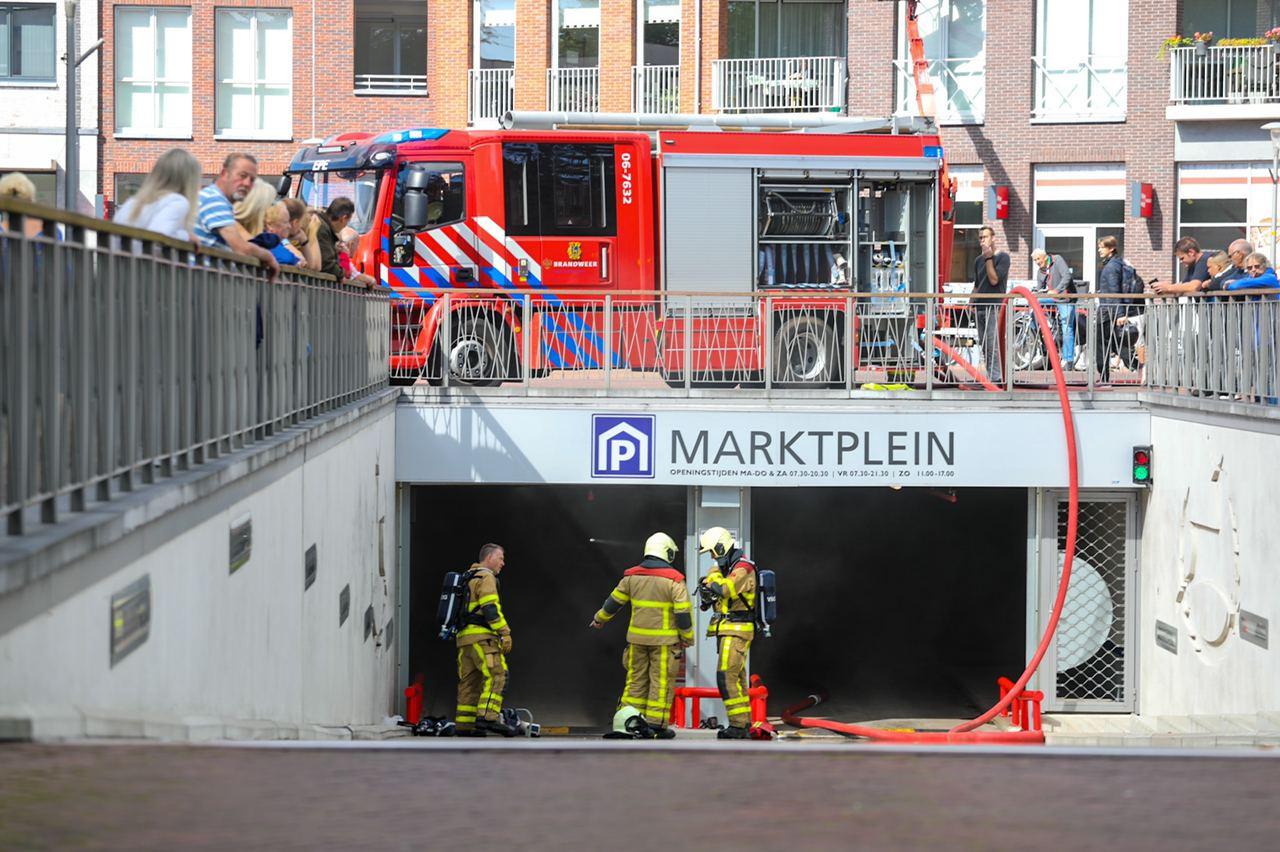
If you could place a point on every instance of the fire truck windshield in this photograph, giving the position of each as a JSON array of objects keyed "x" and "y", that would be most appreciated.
[{"x": 318, "y": 189}]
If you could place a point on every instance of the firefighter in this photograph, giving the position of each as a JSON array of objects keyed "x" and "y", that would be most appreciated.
[
  {"x": 483, "y": 645},
  {"x": 661, "y": 626},
  {"x": 730, "y": 590}
]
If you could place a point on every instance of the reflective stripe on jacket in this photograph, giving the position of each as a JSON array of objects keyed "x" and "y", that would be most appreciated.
[
  {"x": 660, "y": 609},
  {"x": 484, "y": 606},
  {"x": 737, "y": 596}
]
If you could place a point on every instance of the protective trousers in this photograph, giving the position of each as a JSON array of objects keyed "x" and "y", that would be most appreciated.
[
  {"x": 651, "y": 676},
  {"x": 731, "y": 678},
  {"x": 482, "y": 676}
]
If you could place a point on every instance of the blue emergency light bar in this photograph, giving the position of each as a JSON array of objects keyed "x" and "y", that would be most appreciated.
[{"x": 419, "y": 134}]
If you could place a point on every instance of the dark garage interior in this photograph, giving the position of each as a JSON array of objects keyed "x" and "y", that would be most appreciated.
[{"x": 896, "y": 603}]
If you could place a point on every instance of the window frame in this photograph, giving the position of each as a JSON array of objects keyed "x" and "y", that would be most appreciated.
[
  {"x": 602, "y": 153},
  {"x": 9, "y": 80},
  {"x": 555, "y": 35},
  {"x": 1091, "y": 115},
  {"x": 399, "y": 24},
  {"x": 398, "y": 192},
  {"x": 477, "y": 28},
  {"x": 237, "y": 133},
  {"x": 947, "y": 115},
  {"x": 160, "y": 132}
]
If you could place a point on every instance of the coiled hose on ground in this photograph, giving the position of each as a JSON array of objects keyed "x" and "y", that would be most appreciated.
[{"x": 965, "y": 732}]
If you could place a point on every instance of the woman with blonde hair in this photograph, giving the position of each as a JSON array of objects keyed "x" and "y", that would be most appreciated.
[
  {"x": 252, "y": 210},
  {"x": 19, "y": 186},
  {"x": 166, "y": 203}
]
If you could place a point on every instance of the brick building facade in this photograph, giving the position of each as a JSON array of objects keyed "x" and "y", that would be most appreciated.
[{"x": 1064, "y": 102}]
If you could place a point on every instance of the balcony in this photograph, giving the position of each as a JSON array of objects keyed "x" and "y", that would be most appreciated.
[
  {"x": 793, "y": 84},
  {"x": 1223, "y": 83},
  {"x": 490, "y": 93},
  {"x": 959, "y": 86},
  {"x": 1080, "y": 89},
  {"x": 573, "y": 89},
  {"x": 391, "y": 84},
  {"x": 655, "y": 89}
]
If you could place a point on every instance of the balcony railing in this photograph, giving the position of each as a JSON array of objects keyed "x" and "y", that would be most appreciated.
[
  {"x": 573, "y": 89},
  {"x": 1085, "y": 88},
  {"x": 959, "y": 86},
  {"x": 1224, "y": 75},
  {"x": 491, "y": 92},
  {"x": 655, "y": 89},
  {"x": 128, "y": 357},
  {"x": 794, "y": 84},
  {"x": 391, "y": 84}
]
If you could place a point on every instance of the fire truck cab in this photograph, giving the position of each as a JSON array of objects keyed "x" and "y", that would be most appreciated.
[{"x": 529, "y": 230}]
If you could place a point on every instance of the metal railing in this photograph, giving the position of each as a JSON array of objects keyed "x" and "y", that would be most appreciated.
[
  {"x": 1215, "y": 347},
  {"x": 127, "y": 357},
  {"x": 1224, "y": 75},
  {"x": 655, "y": 89},
  {"x": 792, "y": 84},
  {"x": 960, "y": 85},
  {"x": 573, "y": 89},
  {"x": 490, "y": 93},
  {"x": 391, "y": 84},
  {"x": 1088, "y": 88},
  {"x": 815, "y": 340}
]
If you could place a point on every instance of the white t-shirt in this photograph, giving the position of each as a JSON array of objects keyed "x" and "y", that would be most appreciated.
[{"x": 166, "y": 215}]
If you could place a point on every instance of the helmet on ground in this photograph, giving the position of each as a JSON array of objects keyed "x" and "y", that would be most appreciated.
[
  {"x": 717, "y": 541},
  {"x": 660, "y": 545},
  {"x": 627, "y": 720}
]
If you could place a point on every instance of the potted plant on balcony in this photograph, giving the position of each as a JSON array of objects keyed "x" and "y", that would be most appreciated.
[
  {"x": 1202, "y": 41},
  {"x": 1175, "y": 41},
  {"x": 1273, "y": 35}
]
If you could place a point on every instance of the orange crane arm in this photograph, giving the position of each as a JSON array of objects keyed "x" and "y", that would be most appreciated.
[{"x": 919, "y": 64}]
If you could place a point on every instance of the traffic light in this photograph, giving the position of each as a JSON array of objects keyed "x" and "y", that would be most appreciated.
[{"x": 1141, "y": 465}]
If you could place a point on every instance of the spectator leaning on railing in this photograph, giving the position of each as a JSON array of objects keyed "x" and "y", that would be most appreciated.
[
  {"x": 19, "y": 186},
  {"x": 1261, "y": 275},
  {"x": 302, "y": 227},
  {"x": 166, "y": 202},
  {"x": 332, "y": 221},
  {"x": 275, "y": 236},
  {"x": 251, "y": 211},
  {"x": 1053, "y": 275},
  {"x": 215, "y": 218},
  {"x": 1195, "y": 269}
]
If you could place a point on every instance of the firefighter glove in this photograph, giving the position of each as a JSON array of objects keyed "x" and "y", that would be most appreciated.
[{"x": 504, "y": 643}]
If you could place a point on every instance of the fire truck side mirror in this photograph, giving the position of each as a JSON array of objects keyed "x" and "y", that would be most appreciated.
[
  {"x": 418, "y": 178},
  {"x": 282, "y": 189},
  {"x": 415, "y": 210}
]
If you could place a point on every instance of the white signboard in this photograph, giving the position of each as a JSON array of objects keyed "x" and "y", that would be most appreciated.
[{"x": 858, "y": 447}]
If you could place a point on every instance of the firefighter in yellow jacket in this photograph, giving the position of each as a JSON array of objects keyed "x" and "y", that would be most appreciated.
[
  {"x": 661, "y": 625},
  {"x": 483, "y": 645},
  {"x": 730, "y": 590}
]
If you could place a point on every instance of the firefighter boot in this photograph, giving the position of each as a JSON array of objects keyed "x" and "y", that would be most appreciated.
[
  {"x": 494, "y": 726},
  {"x": 733, "y": 733}
]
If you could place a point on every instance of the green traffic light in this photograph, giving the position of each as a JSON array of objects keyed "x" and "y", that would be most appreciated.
[{"x": 1140, "y": 473}]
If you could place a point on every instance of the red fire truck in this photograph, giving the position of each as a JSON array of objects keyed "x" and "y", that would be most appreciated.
[{"x": 528, "y": 231}]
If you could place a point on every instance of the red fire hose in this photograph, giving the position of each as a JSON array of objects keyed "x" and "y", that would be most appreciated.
[{"x": 965, "y": 733}]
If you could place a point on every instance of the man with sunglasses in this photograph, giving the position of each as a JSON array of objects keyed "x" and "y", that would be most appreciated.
[{"x": 1260, "y": 275}]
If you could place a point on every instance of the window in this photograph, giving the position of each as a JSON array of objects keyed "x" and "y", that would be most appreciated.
[
  {"x": 578, "y": 34},
  {"x": 779, "y": 28},
  {"x": 967, "y": 219},
  {"x": 27, "y": 42},
  {"x": 1075, "y": 206},
  {"x": 1222, "y": 202},
  {"x": 446, "y": 194},
  {"x": 496, "y": 34},
  {"x": 578, "y": 191},
  {"x": 559, "y": 190},
  {"x": 391, "y": 49},
  {"x": 254, "y": 73},
  {"x": 1082, "y": 60},
  {"x": 660, "y": 34},
  {"x": 318, "y": 189},
  {"x": 520, "y": 188},
  {"x": 153, "y": 71},
  {"x": 954, "y": 33},
  {"x": 1230, "y": 18}
]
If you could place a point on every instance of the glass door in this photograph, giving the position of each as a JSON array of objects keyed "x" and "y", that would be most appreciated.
[{"x": 1078, "y": 245}]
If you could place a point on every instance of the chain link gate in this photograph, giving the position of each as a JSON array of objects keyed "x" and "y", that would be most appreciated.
[{"x": 1090, "y": 665}]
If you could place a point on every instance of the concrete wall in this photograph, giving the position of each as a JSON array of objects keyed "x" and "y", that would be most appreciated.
[
  {"x": 227, "y": 647},
  {"x": 1209, "y": 550}
]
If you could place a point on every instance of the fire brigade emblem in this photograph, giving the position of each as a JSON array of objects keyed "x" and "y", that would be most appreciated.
[{"x": 575, "y": 251}]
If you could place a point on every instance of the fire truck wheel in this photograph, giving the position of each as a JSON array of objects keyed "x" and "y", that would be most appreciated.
[
  {"x": 806, "y": 353},
  {"x": 477, "y": 353}
]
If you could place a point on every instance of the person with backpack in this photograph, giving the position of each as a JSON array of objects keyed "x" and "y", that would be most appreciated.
[
  {"x": 730, "y": 590},
  {"x": 484, "y": 641},
  {"x": 661, "y": 627}
]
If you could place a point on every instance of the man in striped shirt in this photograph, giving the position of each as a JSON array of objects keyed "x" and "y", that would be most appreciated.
[{"x": 215, "y": 217}]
